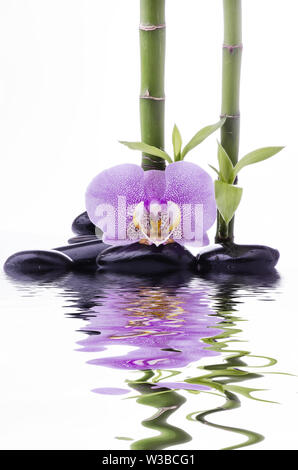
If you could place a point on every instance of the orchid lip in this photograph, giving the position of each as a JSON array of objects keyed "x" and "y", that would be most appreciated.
[{"x": 157, "y": 220}]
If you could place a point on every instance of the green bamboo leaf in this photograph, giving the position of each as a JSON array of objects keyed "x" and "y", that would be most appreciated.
[
  {"x": 148, "y": 149},
  {"x": 225, "y": 165},
  {"x": 216, "y": 171},
  {"x": 177, "y": 143},
  {"x": 227, "y": 198},
  {"x": 256, "y": 156},
  {"x": 200, "y": 136}
]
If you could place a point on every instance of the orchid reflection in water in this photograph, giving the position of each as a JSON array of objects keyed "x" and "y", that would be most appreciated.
[
  {"x": 172, "y": 327},
  {"x": 166, "y": 328}
]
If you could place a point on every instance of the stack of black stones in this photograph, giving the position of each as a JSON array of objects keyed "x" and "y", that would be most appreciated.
[{"x": 87, "y": 252}]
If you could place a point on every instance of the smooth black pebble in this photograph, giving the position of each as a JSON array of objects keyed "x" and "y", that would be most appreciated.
[
  {"x": 37, "y": 262},
  {"x": 82, "y": 238},
  {"x": 238, "y": 259},
  {"x": 83, "y": 254},
  {"x": 139, "y": 258},
  {"x": 82, "y": 225}
]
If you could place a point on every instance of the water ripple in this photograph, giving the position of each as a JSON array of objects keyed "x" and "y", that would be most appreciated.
[{"x": 169, "y": 326}]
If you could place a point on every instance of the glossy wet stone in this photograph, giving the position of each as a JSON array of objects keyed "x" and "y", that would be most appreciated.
[
  {"x": 37, "y": 262},
  {"x": 237, "y": 259},
  {"x": 138, "y": 258},
  {"x": 82, "y": 238},
  {"x": 83, "y": 254},
  {"x": 82, "y": 225}
]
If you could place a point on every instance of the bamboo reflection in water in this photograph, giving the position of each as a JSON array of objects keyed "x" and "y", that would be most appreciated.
[{"x": 220, "y": 377}]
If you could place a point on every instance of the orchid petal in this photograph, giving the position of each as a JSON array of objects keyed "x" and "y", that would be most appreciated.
[
  {"x": 124, "y": 181},
  {"x": 187, "y": 183},
  {"x": 155, "y": 184}
]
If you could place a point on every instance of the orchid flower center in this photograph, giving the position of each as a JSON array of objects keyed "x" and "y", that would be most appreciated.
[{"x": 157, "y": 219}]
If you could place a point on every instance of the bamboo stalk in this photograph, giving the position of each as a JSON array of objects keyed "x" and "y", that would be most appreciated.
[
  {"x": 152, "y": 100},
  {"x": 231, "y": 68}
]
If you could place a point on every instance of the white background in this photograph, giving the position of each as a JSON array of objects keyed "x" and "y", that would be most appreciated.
[{"x": 69, "y": 86}]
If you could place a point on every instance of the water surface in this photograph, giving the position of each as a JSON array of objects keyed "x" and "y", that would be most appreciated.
[{"x": 177, "y": 342}]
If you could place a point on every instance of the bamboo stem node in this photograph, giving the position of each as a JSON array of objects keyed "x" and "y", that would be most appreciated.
[
  {"x": 151, "y": 27},
  {"x": 230, "y": 116},
  {"x": 147, "y": 96},
  {"x": 231, "y": 47}
]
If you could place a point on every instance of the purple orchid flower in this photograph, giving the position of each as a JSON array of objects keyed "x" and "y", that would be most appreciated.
[{"x": 121, "y": 201}]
